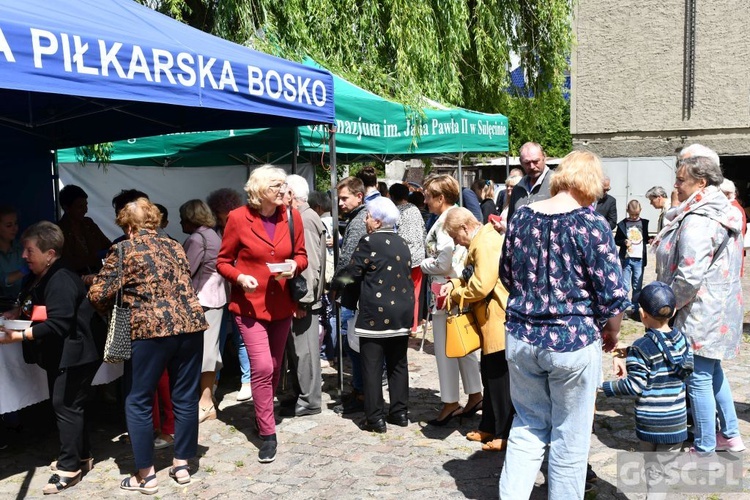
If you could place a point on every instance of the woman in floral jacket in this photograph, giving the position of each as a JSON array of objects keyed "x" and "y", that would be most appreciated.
[
  {"x": 699, "y": 254},
  {"x": 167, "y": 325}
]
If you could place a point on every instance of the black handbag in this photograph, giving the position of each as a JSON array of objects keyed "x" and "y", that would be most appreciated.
[
  {"x": 118, "y": 346},
  {"x": 298, "y": 284}
]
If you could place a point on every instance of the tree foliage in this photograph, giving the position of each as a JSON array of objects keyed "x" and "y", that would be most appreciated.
[{"x": 453, "y": 51}]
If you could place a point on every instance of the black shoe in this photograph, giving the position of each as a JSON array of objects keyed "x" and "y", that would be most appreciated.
[
  {"x": 267, "y": 452},
  {"x": 298, "y": 411},
  {"x": 350, "y": 396},
  {"x": 591, "y": 476},
  {"x": 351, "y": 406},
  {"x": 440, "y": 423},
  {"x": 377, "y": 426},
  {"x": 399, "y": 419}
]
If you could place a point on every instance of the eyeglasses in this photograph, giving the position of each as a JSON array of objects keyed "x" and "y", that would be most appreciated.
[{"x": 278, "y": 187}]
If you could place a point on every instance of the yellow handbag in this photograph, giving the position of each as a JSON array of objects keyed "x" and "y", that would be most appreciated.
[{"x": 462, "y": 332}]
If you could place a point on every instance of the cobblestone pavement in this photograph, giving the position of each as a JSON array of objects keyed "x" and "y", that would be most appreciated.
[{"x": 327, "y": 456}]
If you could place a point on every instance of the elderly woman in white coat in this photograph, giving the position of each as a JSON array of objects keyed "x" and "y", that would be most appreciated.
[
  {"x": 444, "y": 261},
  {"x": 699, "y": 254}
]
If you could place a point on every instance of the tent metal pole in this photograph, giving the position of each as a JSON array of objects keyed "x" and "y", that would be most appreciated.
[
  {"x": 460, "y": 181},
  {"x": 335, "y": 235},
  {"x": 56, "y": 184},
  {"x": 295, "y": 150},
  {"x": 507, "y": 164}
]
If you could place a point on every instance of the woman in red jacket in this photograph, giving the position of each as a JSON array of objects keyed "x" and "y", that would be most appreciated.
[{"x": 258, "y": 234}]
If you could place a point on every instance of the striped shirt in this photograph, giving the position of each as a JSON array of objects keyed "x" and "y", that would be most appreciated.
[{"x": 657, "y": 365}]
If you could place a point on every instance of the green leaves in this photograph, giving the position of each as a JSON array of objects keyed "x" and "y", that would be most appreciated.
[{"x": 457, "y": 52}]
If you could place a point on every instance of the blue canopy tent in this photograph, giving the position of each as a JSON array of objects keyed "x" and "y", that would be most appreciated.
[{"x": 78, "y": 72}]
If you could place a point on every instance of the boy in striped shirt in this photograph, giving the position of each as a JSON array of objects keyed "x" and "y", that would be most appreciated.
[{"x": 657, "y": 365}]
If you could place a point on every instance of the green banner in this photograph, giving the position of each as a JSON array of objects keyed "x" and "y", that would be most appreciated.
[
  {"x": 369, "y": 124},
  {"x": 366, "y": 124}
]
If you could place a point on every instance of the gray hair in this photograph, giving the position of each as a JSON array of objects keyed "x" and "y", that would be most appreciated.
[
  {"x": 702, "y": 167},
  {"x": 383, "y": 210},
  {"x": 728, "y": 188},
  {"x": 299, "y": 186},
  {"x": 656, "y": 192},
  {"x": 699, "y": 150},
  {"x": 46, "y": 236}
]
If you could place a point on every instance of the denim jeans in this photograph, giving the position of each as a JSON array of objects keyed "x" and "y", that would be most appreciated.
[
  {"x": 181, "y": 355},
  {"x": 709, "y": 391},
  {"x": 229, "y": 327},
  {"x": 632, "y": 275},
  {"x": 553, "y": 394}
]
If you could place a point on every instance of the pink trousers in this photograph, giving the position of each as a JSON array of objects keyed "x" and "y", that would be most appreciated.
[{"x": 265, "y": 342}]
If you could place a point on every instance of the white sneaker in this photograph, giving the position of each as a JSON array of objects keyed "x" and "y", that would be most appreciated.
[{"x": 245, "y": 393}]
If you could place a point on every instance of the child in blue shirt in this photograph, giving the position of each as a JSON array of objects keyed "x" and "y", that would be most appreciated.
[{"x": 657, "y": 365}]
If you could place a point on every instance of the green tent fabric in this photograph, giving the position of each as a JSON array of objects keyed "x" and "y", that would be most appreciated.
[
  {"x": 199, "y": 149},
  {"x": 367, "y": 126}
]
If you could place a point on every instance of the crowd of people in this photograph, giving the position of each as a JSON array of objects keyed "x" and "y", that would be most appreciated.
[{"x": 538, "y": 265}]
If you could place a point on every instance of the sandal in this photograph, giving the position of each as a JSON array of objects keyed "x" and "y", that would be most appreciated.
[
  {"x": 58, "y": 483},
  {"x": 470, "y": 412},
  {"x": 180, "y": 479},
  {"x": 208, "y": 413},
  {"x": 495, "y": 445},
  {"x": 163, "y": 441},
  {"x": 125, "y": 484},
  {"x": 479, "y": 436}
]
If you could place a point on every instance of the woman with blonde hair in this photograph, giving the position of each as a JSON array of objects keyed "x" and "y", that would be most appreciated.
[
  {"x": 258, "y": 234},
  {"x": 167, "y": 325},
  {"x": 202, "y": 248},
  {"x": 479, "y": 287},
  {"x": 567, "y": 295},
  {"x": 445, "y": 261}
]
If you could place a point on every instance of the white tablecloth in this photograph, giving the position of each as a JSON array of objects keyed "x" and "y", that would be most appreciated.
[{"x": 23, "y": 385}]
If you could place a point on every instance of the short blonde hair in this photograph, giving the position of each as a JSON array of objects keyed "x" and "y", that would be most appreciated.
[
  {"x": 458, "y": 217},
  {"x": 197, "y": 213},
  {"x": 260, "y": 180},
  {"x": 442, "y": 184},
  {"x": 581, "y": 173},
  {"x": 634, "y": 206},
  {"x": 139, "y": 214}
]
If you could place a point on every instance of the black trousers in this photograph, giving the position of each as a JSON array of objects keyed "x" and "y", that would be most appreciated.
[
  {"x": 70, "y": 389},
  {"x": 393, "y": 350},
  {"x": 497, "y": 407}
]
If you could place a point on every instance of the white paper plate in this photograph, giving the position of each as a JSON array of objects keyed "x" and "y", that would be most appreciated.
[
  {"x": 16, "y": 324},
  {"x": 280, "y": 267}
]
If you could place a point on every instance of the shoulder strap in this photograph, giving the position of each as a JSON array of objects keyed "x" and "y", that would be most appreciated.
[
  {"x": 720, "y": 249},
  {"x": 120, "y": 257},
  {"x": 291, "y": 227}
]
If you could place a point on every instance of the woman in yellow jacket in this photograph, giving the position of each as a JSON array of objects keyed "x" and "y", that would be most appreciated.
[{"x": 480, "y": 288}]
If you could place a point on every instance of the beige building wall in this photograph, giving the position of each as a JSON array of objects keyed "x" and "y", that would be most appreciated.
[{"x": 627, "y": 77}]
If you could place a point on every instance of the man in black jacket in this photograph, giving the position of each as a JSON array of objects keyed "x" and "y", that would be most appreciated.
[{"x": 606, "y": 205}]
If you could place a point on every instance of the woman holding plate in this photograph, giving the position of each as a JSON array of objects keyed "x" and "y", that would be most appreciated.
[
  {"x": 258, "y": 257},
  {"x": 59, "y": 339}
]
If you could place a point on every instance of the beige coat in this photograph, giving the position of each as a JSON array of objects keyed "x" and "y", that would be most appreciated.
[{"x": 484, "y": 255}]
